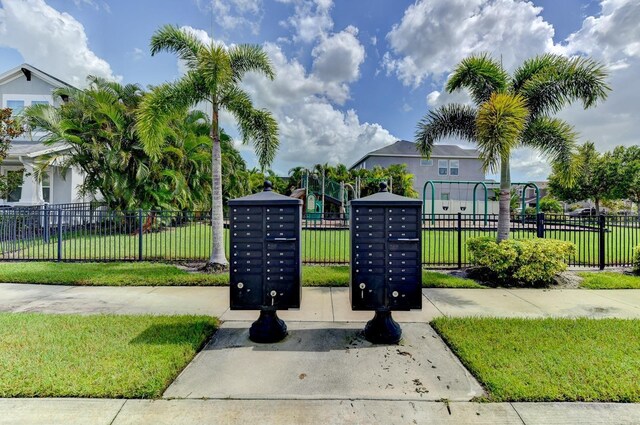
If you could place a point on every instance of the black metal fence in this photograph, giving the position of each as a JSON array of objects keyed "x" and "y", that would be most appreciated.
[{"x": 90, "y": 232}]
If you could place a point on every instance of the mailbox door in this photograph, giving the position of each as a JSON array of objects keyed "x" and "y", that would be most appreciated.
[
  {"x": 282, "y": 254},
  {"x": 404, "y": 258}
]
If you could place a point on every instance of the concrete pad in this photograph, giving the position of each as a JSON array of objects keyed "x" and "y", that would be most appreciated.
[
  {"x": 575, "y": 303},
  {"x": 629, "y": 297},
  {"x": 315, "y": 307},
  {"x": 342, "y": 310},
  {"x": 321, "y": 360},
  {"x": 15, "y": 295},
  {"x": 480, "y": 302},
  {"x": 63, "y": 411},
  {"x": 86, "y": 300},
  {"x": 212, "y": 301},
  {"x": 308, "y": 412},
  {"x": 578, "y": 413}
]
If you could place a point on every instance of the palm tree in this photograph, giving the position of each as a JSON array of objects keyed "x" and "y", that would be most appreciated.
[
  {"x": 515, "y": 111},
  {"x": 213, "y": 76}
]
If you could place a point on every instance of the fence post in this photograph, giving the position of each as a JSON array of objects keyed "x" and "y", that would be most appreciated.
[
  {"x": 601, "y": 232},
  {"x": 540, "y": 225},
  {"x": 59, "y": 234},
  {"x": 46, "y": 223},
  {"x": 140, "y": 230},
  {"x": 459, "y": 240}
]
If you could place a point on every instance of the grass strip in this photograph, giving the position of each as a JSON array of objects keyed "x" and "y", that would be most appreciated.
[
  {"x": 160, "y": 274},
  {"x": 96, "y": 356},
  {"x": 609, "y": 280},
  {"x": 549, "y": 359}
]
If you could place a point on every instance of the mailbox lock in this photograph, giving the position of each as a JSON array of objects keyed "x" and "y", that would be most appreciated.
[
  {"x": 395, "y": 294},
  {"x": 240, "y": 285}
]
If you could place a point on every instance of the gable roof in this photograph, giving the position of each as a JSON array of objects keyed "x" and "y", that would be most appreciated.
[
  {"x": 19, "y": 70},
  {"x": 404, "y": 148}
]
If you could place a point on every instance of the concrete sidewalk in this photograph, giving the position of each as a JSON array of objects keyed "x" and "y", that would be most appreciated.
[
  {"x": 303, "y": 412},
  {"x": 320, "y": 304}
]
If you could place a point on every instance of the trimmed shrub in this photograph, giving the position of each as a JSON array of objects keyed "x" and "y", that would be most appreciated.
[
  {"x": 636, "y": 260},
  {"x": 526, "y": 262}
]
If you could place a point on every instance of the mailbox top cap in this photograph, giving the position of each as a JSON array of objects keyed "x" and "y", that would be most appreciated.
[
  {"x": 383, "y": 197},
  {"x": 266, "y": 197}
]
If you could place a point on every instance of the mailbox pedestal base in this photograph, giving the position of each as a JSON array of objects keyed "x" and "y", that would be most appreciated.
[
  {"x": 382, "y": 329},
  {"x": 268, "y": 328}
]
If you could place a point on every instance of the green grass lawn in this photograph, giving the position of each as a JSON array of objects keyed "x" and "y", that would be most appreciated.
[
  {"x": 106, "y": 274},
  {"x": 549, "y": 359},
  {"x": 431, "y": 279},
  {"x": 96, "y": 356},
  {"x": 609, "y": 280},
  {"x": 159, "y": 274}
]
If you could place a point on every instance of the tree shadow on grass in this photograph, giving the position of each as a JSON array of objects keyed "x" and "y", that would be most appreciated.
[{"x": 190, "y": 333}]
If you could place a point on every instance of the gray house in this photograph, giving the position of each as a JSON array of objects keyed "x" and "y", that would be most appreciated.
[
  {"x": 447, "y": 163},
  {"x": 20, "y": 87}
]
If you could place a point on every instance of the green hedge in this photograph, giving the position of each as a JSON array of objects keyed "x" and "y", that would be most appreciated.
[{"x": 527, "y": 262}]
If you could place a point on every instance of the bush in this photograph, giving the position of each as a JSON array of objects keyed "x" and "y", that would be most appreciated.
[
  {"x": 551, "y": 205},
  {"x": 636, "y": 260},
  {"x": 527, "y": 262}
]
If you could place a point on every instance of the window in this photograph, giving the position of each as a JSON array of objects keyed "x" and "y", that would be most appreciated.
[
  {"x": 426, "y": 162},
  {"x": 444, "y": 196},
  {"x": 46, "y": 188},
  {"x": 443, "y": 167},
  {"x": 15, "y": 194},
  {"x": 16, "y": 106},
  {"x": 454, "y": 167}
]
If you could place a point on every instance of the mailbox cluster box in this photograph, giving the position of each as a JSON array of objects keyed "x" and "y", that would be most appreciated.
[
  {"x": 386, "y": 247},
  {"x": 265, "y": 269}
]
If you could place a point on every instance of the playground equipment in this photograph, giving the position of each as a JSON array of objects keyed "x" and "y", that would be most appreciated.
[
  {"x": 320, "y": 191},
  {"x": 463, "y": 205}
]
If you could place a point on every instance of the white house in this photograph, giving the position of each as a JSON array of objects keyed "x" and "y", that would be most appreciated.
[{"x": 20, "y": 87}]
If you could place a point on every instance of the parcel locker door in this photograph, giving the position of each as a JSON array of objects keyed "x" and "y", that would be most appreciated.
[
  {"x": 246, "y": 291},
  {"x": 367, "y": 291}
]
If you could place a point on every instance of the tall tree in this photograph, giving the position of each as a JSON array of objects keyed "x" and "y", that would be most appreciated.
[
  {"x": 595, "y": 177},
  {"x": 514, "y": 111},
  {"x": 97, "y": 123},
  {"x": 213, "y": 76}
]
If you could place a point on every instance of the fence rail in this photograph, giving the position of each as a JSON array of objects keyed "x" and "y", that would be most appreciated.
[{"x": 90, "y": 232}]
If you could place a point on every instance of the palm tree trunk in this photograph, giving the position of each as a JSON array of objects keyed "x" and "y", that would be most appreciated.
[
  {"x": 218, "y": 260},
  {"x": 504, "y": 214}
]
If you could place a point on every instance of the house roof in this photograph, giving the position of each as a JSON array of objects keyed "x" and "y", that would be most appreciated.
[
  {"x": 20, "y": 69},
  {"x": 33, "y": 149},
  {"x": 404, "y": 148}
]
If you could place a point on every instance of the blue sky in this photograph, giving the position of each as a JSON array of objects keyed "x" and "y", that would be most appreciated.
[{"x": 352, "y": 75}]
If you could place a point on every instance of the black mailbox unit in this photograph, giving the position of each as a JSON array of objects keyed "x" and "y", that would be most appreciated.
[
  {"x": 386, "y": 260},
  {"x": 265, "y": 269}
]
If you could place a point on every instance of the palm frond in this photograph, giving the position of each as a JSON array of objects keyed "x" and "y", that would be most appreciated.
[
  {"x": 557, "y": 140},
  {"x": 164, "y": 100},
  {"x": 499, "y": 125},
  {"x": 249, "y": 57},
  {"x": 481, "y": 75},
  {"x": 171, "y": 38},
  {"x": 446, "y": 121},
  {"x": 562, "y": 81}
]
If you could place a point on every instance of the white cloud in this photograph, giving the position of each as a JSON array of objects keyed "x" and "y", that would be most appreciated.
[
  {"x": 614, "y": 35},
  {"x": 311, "y": 19},
  {"x": 433, "y": 36},
  {"x": 233, "y": 14},
  {"x": 53, "y": 41},
  {"x": 312, "y": 129},
  {"x": 337, "y": 58}
]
